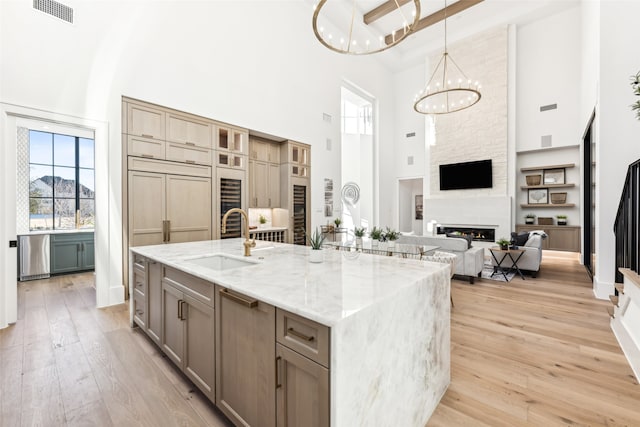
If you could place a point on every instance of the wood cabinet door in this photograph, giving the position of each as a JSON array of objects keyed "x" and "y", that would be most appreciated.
[
  {"x": 188, "y": 131},
  {"x": 145, "y": 121},
  {"x": 274, "y": 186},
  {"x": 302, "y": 390},
  {"x": 188, "y": 208},
  {"x": 260, "y": 182},
  {"x": 564, "y": 239},
  {"x": 172, "y": 324},
  {"x": 245, "y": 359},
  {"x": 154, "y": 298},
  {"x": 199, "y": 357},
  {"x": 258, "y": 150},
  {"x": 88, "y": 255},
  {"x": 146, "y": 208}
]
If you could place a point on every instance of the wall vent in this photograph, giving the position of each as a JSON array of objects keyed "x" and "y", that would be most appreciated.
[
  {"x": 328, "y": 144},
  {"x": 548, "y": 107},
  {"x": 326, "y": 117},
  {"x": 545, "y": 141},
  {"x": 55, "y": 9},
  {"x": 411, "y": 134},
  {"x": 410, "y": 160}
]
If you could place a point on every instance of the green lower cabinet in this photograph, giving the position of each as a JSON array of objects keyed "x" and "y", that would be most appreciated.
[{"x": 71, "y": 252}]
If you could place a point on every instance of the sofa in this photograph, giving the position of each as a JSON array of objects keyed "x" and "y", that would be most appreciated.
[
  {"x": 532, "y": 256},
  {"x": 470, "y": 260}
]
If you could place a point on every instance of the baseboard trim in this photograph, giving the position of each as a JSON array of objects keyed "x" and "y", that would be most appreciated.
[
  {"x": 629, "y": 348},
  {"x": 602, "y": 290}
]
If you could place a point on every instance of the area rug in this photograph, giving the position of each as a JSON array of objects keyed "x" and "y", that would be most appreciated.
[{"x": 487, "y": 271}]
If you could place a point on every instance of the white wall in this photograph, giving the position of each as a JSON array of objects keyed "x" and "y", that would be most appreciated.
[
  {"x": 548, "y": 72},
  {"x": 238, "y": 62},
  {"x": 618, "y": 139}
]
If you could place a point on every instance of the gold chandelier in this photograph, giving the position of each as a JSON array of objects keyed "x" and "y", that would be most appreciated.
[
  {"x": 356, "y": 38},
  {"x": 448, "y": 90}
]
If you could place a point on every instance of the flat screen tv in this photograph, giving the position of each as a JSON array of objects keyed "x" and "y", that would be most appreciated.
[{"x": 460, "y": 176}]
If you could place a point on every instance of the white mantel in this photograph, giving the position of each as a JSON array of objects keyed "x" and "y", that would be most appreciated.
[{"x": 481, "y": 212}]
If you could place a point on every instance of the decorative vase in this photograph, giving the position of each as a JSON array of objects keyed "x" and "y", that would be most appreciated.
[
  {"x": 504, "y": 247},
  {"x": 391, "y": 245},
  {"x": 562, "y": 221},
  {"x": 375, "y": 244},
  {"x": 529, "y": 220},
  {"x": 358, "y": 242},
  {"x": 316, "y": 255}
]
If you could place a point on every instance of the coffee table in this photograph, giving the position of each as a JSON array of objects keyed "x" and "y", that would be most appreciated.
[{"x": 506, "y": 254}]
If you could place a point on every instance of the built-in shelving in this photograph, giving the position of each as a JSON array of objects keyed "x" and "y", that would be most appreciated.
[
  {"x": 539, "y": 168},
  {"x": 548, "y": 205},
  {"x": 526, "y": 187}
]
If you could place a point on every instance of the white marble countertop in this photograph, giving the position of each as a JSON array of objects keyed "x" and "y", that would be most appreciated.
[
  {"x": 266, "y": 229},
  {"x": 328, "y": 292},
  {"x": 74, "y": 231}
]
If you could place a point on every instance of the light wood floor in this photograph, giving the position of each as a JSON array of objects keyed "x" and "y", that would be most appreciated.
[{"x": 537, "y": 352}]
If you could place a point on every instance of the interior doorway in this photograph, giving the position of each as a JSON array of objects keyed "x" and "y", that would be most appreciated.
[
  {"x": 410, "y": 205},
  {"x": 589, "y": 197},
  {"x": 358, "y": 159}
]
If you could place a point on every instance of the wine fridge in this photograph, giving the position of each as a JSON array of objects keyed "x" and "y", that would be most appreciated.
[
  {"x": 231, "y": 197},
  {"x": 299, "y": 214}
]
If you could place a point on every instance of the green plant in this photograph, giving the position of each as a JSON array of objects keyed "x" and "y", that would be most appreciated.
[
  {"x": 376, "y": 233},
  {"x": 359, "y": 231},
  {"x": 262, "y": 219},
  {"x": 391, "y": 235},
  {"x": 635, "y": 84},
  {"x": 337, "y": 222},
  {"x": 503, "y": 242},
  {"x": 315, "y": 240},
  {"x": 530, "y": 215},
  {"x": 561, "y": 216}
]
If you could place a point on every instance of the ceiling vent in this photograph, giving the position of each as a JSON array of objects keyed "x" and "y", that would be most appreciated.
[{"x": 55, "y": 9}]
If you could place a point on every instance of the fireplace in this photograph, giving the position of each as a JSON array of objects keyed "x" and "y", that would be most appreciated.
[{"x": 479, "y": 234}]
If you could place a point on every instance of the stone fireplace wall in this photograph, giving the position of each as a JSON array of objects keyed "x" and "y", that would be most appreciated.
[{"x": 477, "y": 133}]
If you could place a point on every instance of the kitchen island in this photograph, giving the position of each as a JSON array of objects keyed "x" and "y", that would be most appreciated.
[{"x": 357, "y": 340}]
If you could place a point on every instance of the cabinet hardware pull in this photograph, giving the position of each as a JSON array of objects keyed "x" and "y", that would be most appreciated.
[
  {"x": 180, "y": 309},
  {"x": 300, "y": 335},
  {"x": 182, "y": 314},
  {"x": 278, "y": 369},
  {"x": 247, "y": 303},
  {"x": 164, "y": 231},
  {"x": 191, "y": 144},
  {"x": 168, "y": 231},
  {"x": 147, "y": 135},
  {"x": 191, "y": 162},
  {"x": 148, "y": 156}
]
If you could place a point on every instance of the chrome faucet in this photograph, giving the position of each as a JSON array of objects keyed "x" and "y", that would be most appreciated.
[{"x": 248, "y": 243}]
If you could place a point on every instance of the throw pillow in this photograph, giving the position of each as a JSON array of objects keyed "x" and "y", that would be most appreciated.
[
  {"x": 468, "y": 238},
  {"x": 519, "y": 239}
]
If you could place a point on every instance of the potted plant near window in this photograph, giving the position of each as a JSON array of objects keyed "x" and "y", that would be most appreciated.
[
  {"x": 391, "y": 236},
  {"x": 562, "y": 219},
  {"x": 337, "y": 222},
  {"x": 376, "y": 236},
  {"x": 315, "y": 241},
  {"x": 503, "y": 243},
  {"x": 359, "y": 233},
  {"x": 529, "y": 218}
]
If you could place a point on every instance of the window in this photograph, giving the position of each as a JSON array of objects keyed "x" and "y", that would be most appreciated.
[
  {"x": 356, "y": 119},
  {"x": 61, "y": 181}
]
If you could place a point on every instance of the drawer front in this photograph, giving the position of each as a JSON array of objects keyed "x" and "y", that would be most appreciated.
[
  {"x": 305, "y": 336},
  {"x": 198, "y": 288},
  {"x": 145, "y": 147},
  {"x": 139, "y": 282},
  {"x": 139, "y": 262},
  {"x": 139, "y": 310},
  {"x": 188, "y": 154}
]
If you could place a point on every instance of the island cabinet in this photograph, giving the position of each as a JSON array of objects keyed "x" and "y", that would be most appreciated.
[
  {"x": 302, "y": 371},
  {"x": 245, "y": 359},
  {"x": 188, "y": 327}
]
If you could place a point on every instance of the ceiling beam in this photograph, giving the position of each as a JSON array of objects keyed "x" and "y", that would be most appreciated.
[
  {"x": 382, "y": 10},
  {"x": 438, "y": 16}
]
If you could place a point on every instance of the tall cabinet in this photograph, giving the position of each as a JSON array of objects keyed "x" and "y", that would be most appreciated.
[
  {"x": 167, "y": 176},
  {"x": 264, "y": 173},
  {"x": 295, "y": 188}
]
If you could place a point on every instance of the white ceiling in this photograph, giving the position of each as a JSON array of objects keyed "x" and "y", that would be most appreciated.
[{"x": 483, "y": 16}]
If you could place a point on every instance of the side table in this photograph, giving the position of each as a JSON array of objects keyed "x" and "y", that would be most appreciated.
[{"x": 506, "y": 254}]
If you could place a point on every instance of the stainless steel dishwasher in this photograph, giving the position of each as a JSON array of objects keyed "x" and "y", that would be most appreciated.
[{"x": 34, "y": 257}]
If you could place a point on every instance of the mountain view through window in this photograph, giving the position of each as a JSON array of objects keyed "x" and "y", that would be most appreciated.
[{"x": 61, "y": 181}]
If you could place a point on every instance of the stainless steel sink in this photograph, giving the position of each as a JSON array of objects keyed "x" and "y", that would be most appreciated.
[{"x": 220, "y": 262}]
